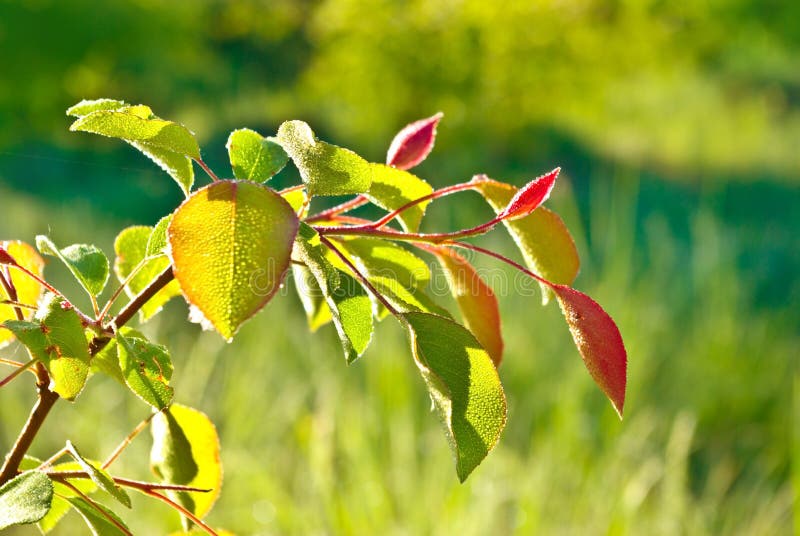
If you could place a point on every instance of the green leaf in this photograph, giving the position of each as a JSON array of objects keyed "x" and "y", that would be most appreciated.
[
  {"x": 392, "y": 188},
  {"x": 177, "y": 165},
  {"x": 56, "y": 337},
  {"x": 85, "y": 107},
  {"x": 99, "y": 476},
  {"x": 542, "y": 237},
  {"x": 317, "y": 311},
  {"x": 154, "y": 132},
  {"x": 463, "y": 385},
  {"x": 107, "y": 359},
  {"x": 475, "y": 299},
  {"x": 25, "y": 499},
  {"x": 88, "y": 264},
  {"x": 298, "y": 200},
  {"x": 170, "y": 145},
  {"x": 186, "y": 451},
  {"x": 60, "y": 505},
  {"x": 101, "y": 520},
  {"x": 157, "y": 242},
  {"x": 326, "y": 168},
  {"x": 147, "y": 369},
  {"x": 231, "y": 245},
  {"x": 254, "y": 157},
  {"x": 130, "y": 247},
  {"x": 349, "y": 303},
  {"x": 28, "y": 289}
]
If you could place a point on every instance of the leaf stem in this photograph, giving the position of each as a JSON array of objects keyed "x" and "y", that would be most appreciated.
[
  {"x": 8, "y": 285},
  {"x": 18, "y": 304},
  {"x": 127, "y": 482},
  {"x": 95, "y": 506},
  {"x": 431, "y": 238},
  {"x": 181, "y": 509},
  {"x": 11, "y": 362},
  {"x": 503, "y": 258},
  {"x": 442, "y": 192},
  {"x": 207, "y": 169},
  {"x": 120, "y": 288},
  {"x": 356, "y": 202},
  {"x": 381, "y": 298},
  {"x": 127, "y": 441},
  {"x": 17, "y": 372}
]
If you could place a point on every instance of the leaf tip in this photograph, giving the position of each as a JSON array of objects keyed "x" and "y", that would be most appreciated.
[
  {"x": 413, "y": 143},
  {"x": 530, "y": 196}
]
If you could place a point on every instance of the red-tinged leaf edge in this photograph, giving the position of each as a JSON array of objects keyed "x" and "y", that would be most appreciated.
[
  {"x": 529, "y": 197},
  {"x": 599, "y": 342},
  {"x": 6, "y": 258},
  {"x": 413, "y": 143}
]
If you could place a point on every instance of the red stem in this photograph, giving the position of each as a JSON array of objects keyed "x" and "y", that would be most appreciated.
[
  {"x": 182, "y": 510},
  {"x": 338, "y": 209},
  {"x": 207, "y": 169}
]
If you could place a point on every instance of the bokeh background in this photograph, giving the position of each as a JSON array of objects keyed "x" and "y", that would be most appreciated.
[{"x": 677, "y": 125}]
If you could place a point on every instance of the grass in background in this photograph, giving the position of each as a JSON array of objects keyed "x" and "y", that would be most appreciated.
[{"x": 311, "y": 446}]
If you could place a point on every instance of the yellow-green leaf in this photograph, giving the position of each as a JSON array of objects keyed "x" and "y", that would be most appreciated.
[
  {"x": 85, "y": 107},
  {"x": 231, "y": 245},
  {"x": 99, "y": 518},
  {"x": 327, "y": 169},
  {"x": 99, "y": 476},
  {"x": 542, "y": 237},
  {"x": 392, "y": 188},
  {"x": 186, "y": 451},
  {"x": 147, "y": 369},
  {"x": 87, "y": 263},
  {"x": 317, "y": 311},
  {"x": 463, "y": 385},
  {"x": 476, "y": 300},
  {"x": 130, "y": 247},
  {"x": 28, "y": 289}
]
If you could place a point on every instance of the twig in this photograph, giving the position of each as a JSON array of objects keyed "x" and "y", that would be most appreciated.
[
  {"x": 196, "y": 520},
  {"x": 338, "y": 209},
  {"x": 127, "y": 441},
  {"x": 17, "y": 372},
  {"x": 101, "y": 511},
  {"x": 127, "y": 482},
  {"x": 207, "y": 169}
]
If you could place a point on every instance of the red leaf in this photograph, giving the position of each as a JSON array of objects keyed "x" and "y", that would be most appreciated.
[
  {"x": 530, "y": 196},
  {"x": 414, "y": 143},
  {"x": 598, "y": 340}
]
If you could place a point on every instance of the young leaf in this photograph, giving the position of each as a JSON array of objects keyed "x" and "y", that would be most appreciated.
[
  {"x": 392, "y": 188},
  {"x": 157, "y": 242},
  {"x": 530, "y": 196},
  {"x": 25, "y": 499},
  {"x": 231, "y": 245},
  {"x": 85, "y": 107},
  {"x": 476, "y": 300},
  {"x": 130, "y": 247},
  {"x": 88, "y": 264},
  {"x": 101, "y": 520},
  {"x": 186, "y": 451},
  {"x": 56, "y": 337},
  {"x": 298, "y": 200},
  {"x": 254, "y": 157},
  {"x": 28, "y": 289},
  {"x": 147, "y": 369},
  {"x": 349, "y": 303},
  {"x": 99, "y": 476},
  {"x": 463, "y": 385},
  {"x": 170, "y": 145},
  {"x": 413, "y": 143},
  {"x": 541, "y": 236},
  {"x": 599, "y": 341},
  {"x": 326, "y": 168},
  {"x": 129, "y": 126}
]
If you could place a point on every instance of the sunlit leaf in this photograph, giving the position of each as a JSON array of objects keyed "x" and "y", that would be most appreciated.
[
  {"x": 25, "y": 499},
  {"x": 298, "y": 200},
  {"x": 186, "y": 451},
  {"x": 317, "y": 311},
  {"x": 130, "y": 247},
  {"x": 349, "y": 303},
  {"x": 542, "y": 237},
  {"x": 392, "y": 188},
  {"x": 413, "y": 143},
  {"x": 88, "y": 264},
  {"x": 177, "y": 165},
  {"x": 463, "y": 384},
  {"x": 101, "y": 520},
  {"x": 85, "y": 107},
  {"x": 231, "y": 244},
  {"x": 28, "y": 289},
  {"x": 476, "y": 300},
  {"x": 254, "y": 157},
  {"x": 147, "y": 369},
  {"x": 529, "y": 197},
  {"x": 326, "y": 168},
  {"x": 599, "y": 341},
  {"x": 157, "y": 241},
  {"x": 99, "y": 476},
  {"x": 55, "y": 336}
]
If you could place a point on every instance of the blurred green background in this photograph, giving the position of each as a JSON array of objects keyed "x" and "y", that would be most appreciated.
[{"x": 677, "y": 125}]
